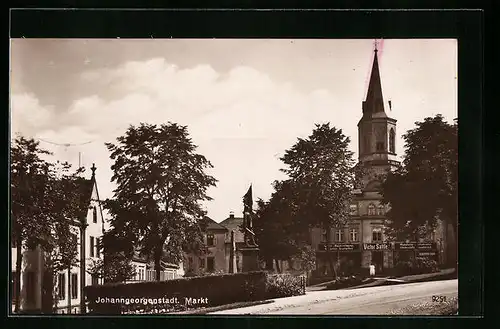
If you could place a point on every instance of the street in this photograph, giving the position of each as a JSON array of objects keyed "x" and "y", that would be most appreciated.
[{"x": 364, "y": 301}]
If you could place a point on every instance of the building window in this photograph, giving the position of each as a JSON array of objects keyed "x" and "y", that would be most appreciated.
[
  {"x": 353, "y": 210},
  {"x": 61, "y": 286},
  {"x": 376, "y": 235},
  {"x": 324, "y": 236},
  {"x": 30, "y": 287},
  {"x": 339, "y": 235},
  {"x": 92, "y": 246},
  {"x": 210, "y": 240},
  {"x": 367, "y": 145},
  {"x": 353, "y": 234},
  {"x": 95, "y": 279},
  {"x": 392, "y": 141},
  {"x": 94, "y": 215},
  {"x": 380, "y": 210},
  {"x": 210, "y": 264},
  {"x": 371, "y": 209},
  {"x": 380, "y": 146},
  {"x": 98, "y": 247},
  {"x": 74, "y": 285}
]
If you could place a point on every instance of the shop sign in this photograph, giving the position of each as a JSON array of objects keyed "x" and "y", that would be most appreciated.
[
  {"x": 413, "y": 246},
  {"x": 426, "y": 254},
  {"x": 338, "y": 247},
  {"x": 404, "y": 246},
  {"x": 377, "y": 246}
]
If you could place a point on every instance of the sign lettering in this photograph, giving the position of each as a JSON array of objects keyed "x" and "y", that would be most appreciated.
[{"x": 377, "y": 246}]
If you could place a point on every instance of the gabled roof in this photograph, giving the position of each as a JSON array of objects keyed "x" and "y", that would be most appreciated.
[
  {"x": 234, "y": 224},
  {"x": 86, "y": 186},
  {"x": 213, "y": 225}
]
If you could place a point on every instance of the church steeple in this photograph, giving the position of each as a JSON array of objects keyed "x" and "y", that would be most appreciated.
[
  {"x": 376, "y": 131},
  {"x": 374, "y": 103}
]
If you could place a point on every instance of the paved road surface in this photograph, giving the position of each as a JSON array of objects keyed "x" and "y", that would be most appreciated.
[{"x": 363, "y": 301}]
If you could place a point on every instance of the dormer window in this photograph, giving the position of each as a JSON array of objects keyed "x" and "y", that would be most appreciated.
[{"x": 210, "y": 240}]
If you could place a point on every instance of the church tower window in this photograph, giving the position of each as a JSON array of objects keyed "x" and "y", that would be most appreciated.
[
  {"x": 392, "y": 141},
  {"x": 371, "y": 209},
  {"x": 380, "y": 146}
]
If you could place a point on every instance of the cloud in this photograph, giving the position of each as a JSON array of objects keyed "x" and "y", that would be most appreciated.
[
  {"x": 242, "y": 119},
  {"x": 27, "y": 114}
]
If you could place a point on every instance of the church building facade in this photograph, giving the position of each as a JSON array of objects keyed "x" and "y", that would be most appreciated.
[{"x": 363, "y": 242}]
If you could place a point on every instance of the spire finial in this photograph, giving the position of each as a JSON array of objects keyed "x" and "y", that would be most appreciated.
[
  {"x": 375, "y": 45},
  {"x": 93, "y": 168}
]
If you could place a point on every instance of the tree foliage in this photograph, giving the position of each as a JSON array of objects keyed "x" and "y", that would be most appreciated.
[
  {"x": 45, "y": 207},
  {"x": 116, "y": 264},
  {"x": 161, "y": 182},
  {"x": 321, "y": 175},
  {"x": 425, "y": 187}
]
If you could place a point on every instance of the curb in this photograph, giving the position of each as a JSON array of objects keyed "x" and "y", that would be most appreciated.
[{"x": 202, "y": 311}]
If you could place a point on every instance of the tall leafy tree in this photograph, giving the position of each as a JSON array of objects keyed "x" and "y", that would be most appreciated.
[
  {"x": 425, "y": 188},
  {"x": 45, "y": 208},
  {"x": 29, "y": 219},
  {"x": 321, "y": 175},
  {"x": 161, "y": 183}
]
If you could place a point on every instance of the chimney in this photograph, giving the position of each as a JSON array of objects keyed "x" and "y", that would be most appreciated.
[{"x": 231, "y": 214}]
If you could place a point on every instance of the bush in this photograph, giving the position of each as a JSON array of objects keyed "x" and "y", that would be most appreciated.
[
  {"x": 345, "y": 282},
  {"x": 171, "y": 295},
  {"x": 416, "y": 266},
  {"x": 285, "y": 285}
]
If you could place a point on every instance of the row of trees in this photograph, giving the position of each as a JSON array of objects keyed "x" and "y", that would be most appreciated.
[
  {"x": 322, "y": 174},
  {"x": 156, "y": 208}
]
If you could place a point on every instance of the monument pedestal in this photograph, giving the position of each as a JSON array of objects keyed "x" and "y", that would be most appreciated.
[{"x": 250, "y": 258}]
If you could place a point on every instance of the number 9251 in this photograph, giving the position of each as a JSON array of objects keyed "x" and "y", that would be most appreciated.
[{"x": 439, "y": 299}]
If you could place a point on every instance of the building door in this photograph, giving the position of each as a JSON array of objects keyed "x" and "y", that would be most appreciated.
[{"x": 378, "y": 261}]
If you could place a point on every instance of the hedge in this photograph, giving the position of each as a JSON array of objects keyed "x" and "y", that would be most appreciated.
[{"x": 194, "y": 292}]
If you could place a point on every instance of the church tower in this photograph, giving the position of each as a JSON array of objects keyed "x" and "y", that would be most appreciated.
[{"x": 376, "y": 131}]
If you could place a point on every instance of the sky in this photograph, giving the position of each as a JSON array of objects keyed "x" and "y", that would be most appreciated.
[{"x": 245, "y": 101}]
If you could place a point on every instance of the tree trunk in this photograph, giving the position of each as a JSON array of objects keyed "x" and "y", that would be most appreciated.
[
  {"x": 69, "y": 290},
  {"x": 269, "y": 263},
  {"x": 19, "y": 260},
  {"x": 157, "y": 259},
  {"x": 329, "y": 253},
  {"x": 48, "y": 291},
  {"x": 278, "y": 269}
]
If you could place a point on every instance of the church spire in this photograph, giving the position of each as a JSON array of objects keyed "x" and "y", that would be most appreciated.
[{"x": 374, "y": 102}]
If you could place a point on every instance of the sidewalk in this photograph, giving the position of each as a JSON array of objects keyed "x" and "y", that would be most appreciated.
[
  {"x": 377, "y": 281},
  {"x": 443, "y": 274}
]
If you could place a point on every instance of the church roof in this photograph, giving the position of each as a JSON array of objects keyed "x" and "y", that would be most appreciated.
[{"x": 373, "y": 106}]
